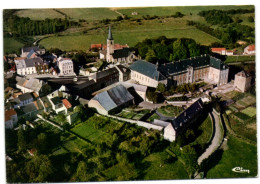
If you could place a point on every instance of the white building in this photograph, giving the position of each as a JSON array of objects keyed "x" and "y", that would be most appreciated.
[
  {"x": 26, "y": 66},
  {"x": 249, "y": 50},
  {"x": 66, "y": 66}
]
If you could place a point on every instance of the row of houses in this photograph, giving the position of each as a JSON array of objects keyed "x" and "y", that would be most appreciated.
[
  {"x": 32, "y": 62},
  {"x": 249, "y": 50}
]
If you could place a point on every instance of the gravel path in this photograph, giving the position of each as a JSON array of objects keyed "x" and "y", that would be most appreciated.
[
  {"x": 217, "y": 139},
  {"x": 164, "y": 118}
]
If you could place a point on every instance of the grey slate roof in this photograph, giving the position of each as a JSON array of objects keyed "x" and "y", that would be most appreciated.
[
  {"x": 33, "y": 84},
  {"x": 29, "y": 108},
  {"x": 33, "y": 62},
  {"x": 169, "y": 69},
  {"x": 102, "y": 74},
  {"x": 25, "y": 96},
  {"x": 30, "y": 53},
  {"x": 147, "y": 69},
  {"x": 188, "y": 114},
  {"x": 28, "y": 49},
  {"x": 110, "y": 37},
  {"x": 121, "y": 53},
  {"x": 195, "y": 62},
  {"x": 20, "y": 80},
  {"x": 113, "y": 97}
]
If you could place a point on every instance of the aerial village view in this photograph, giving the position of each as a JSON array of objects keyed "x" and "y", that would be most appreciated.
[{"x": 147, "y": 93}]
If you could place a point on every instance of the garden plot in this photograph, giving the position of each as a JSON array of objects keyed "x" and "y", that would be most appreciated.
[
  {"x": 136, "y": 115},
  {"x": 250, "y": 111},
  {"x": 249, "y": 100}
]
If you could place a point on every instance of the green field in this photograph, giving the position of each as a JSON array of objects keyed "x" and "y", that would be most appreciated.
[
  {"x": 11, "y": 45},
  {"x": 238, "y": 154},
  {"x": 83, "y": 42},
  {"x": 206, "y": 130},
  {"x": 39, "y": 14},
  {"x": 163, "y": 11}
]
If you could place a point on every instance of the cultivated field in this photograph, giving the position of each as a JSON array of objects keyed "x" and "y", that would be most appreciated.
[{"x": 39, "y": 14}]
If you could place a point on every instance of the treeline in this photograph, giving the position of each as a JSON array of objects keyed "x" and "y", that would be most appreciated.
[
  {"x": 163, "y": 50},
  {"x": 27, "y": 27},
  {"x": 229, "y": 34},
  {"x": 222, "y": 17}
]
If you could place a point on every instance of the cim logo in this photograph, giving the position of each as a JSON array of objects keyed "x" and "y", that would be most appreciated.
[{"x": 240, "y": 170}]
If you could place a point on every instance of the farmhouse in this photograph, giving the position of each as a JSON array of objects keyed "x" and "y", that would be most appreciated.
[
  {"x": 116, "y": 55},
  {"x": 112, "y": 100},
  {"x": 242, "y": 81},
  {"x": 249, "y": 50},
  {"x": 204, "y": 67},
  {"x": 182, "y": 122},
  {"x": 222, "y": 51}
]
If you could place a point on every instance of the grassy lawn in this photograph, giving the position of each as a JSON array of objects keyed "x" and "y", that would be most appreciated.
[
  {"x": 233, "y": 59},
  {"x": 238, "y": 154},
  {"x": 11, "y": 45},
  {"x": 158, "y": 170},
  {"x": 153, "y": 117},
  {"x": 170, "y": 110},
  {"x": 242, "y": 116},
  {"x": 206, "y": 132},
  {"x": 127, "y": 114}
]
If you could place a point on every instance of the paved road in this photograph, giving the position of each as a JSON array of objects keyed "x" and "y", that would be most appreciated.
[{"x": 217, "y": 139}]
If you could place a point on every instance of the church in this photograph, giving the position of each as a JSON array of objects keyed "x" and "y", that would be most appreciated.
[{"x": 113, "y": 54}]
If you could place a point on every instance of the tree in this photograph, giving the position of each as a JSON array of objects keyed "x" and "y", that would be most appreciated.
[
  {"x": 251, "y": 19},
  {"x": 179, "y": 50},
  {"x": 161, "y": 87},
  {"x": 82, "y": 172},
  {"x": 21, "y": 139},
  {"x": 41, "y": 143},
  {"x": 39, "y": 169},
  {"x": 150, "y": 56},
  {"x": 194, "y": 49},
  {"x": 45, "y": 90}
]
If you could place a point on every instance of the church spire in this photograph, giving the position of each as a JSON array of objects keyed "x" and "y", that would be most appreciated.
[{"x": 110, "y": 37}]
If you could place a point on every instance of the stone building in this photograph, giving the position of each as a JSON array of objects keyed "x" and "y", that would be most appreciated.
[
  {"x": 204, "y": 67},
  {"x": 180, "y": 124},
  {"x": 242, "y": 81},
  {"x": 116, "y": 55}
]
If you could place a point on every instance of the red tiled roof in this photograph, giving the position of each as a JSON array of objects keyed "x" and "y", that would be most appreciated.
[
  {"x": 217, "y": 49},
  {"x": 8, "y": 89},
  {"x": 19, "y": 58},
  {"x": 9, "y": 113},
  {"x": 117, "y": 46},
  {"x": 66, "y": 103},
  {"x": 35, "y": 95},
  {"x": 251, "y": 47},
  {"x": 99, "y": 46}
]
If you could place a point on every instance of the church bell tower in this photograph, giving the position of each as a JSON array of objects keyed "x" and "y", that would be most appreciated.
[{"x": 110, "y": 45}]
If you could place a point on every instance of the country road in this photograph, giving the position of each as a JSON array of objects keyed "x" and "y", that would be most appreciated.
[{"x": 217, "y": 139}]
